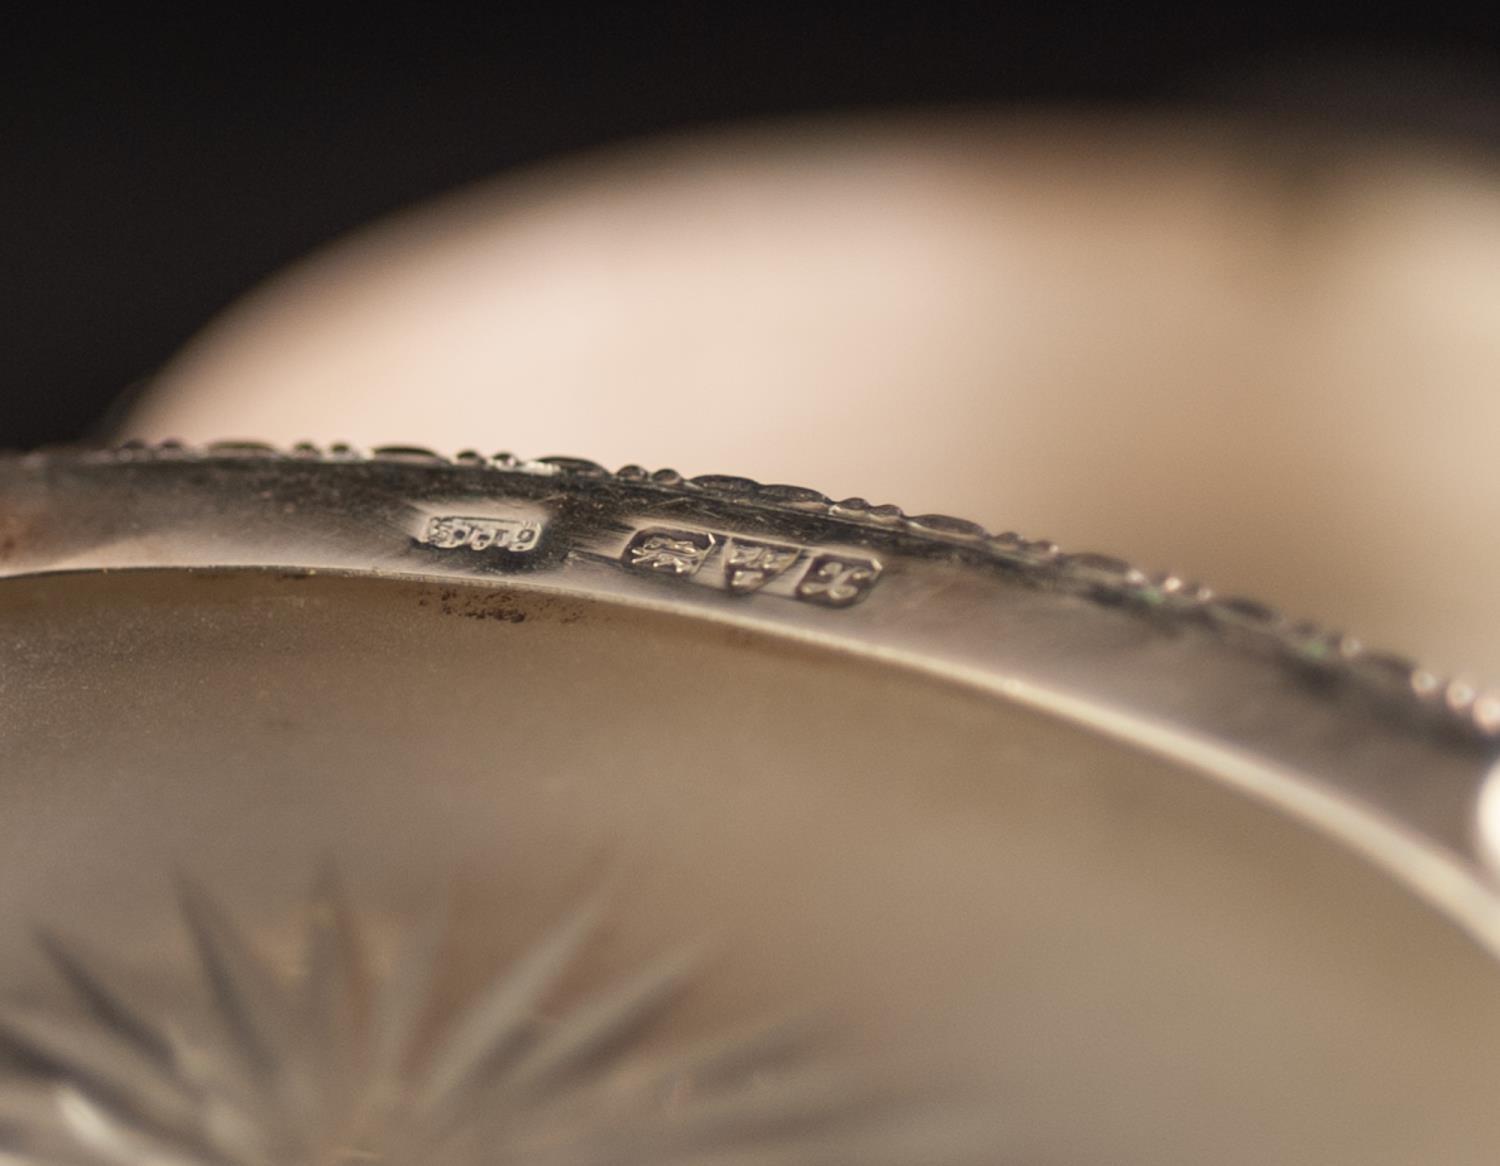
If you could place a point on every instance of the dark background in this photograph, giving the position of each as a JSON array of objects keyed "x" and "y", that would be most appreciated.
[{"x": 155, "y": 169}]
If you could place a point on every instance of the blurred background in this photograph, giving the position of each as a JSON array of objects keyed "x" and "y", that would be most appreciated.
[{"x": 1214, "y": 289}]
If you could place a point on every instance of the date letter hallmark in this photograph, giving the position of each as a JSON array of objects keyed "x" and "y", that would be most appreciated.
[
  {"x": 749, "y": 566},
  {"x": 838, "y": 580},
  {"x": 669, "y": 552},
  {"x": 453, "y": 532}
]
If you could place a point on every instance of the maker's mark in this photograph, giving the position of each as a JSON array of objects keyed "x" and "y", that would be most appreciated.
[{"x": 451, "y": 532}]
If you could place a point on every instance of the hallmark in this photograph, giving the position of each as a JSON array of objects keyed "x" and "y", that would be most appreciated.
[
  {"x": 749, "y": 566},
  {"x": 746, "y": 566},
  {"x": 669, "y": 552},
  {"x": 838, "y": 580},
  {"x": 451, "y": 532}
]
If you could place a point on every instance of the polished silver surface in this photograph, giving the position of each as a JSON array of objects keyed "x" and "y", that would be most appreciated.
[{"x": 1057, "y": 861}]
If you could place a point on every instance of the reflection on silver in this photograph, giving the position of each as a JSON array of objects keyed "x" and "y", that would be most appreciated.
[{"x": 342, "y": 1065}]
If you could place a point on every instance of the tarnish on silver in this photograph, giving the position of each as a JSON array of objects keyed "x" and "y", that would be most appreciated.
[{"x": 344, "y": 1064}]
